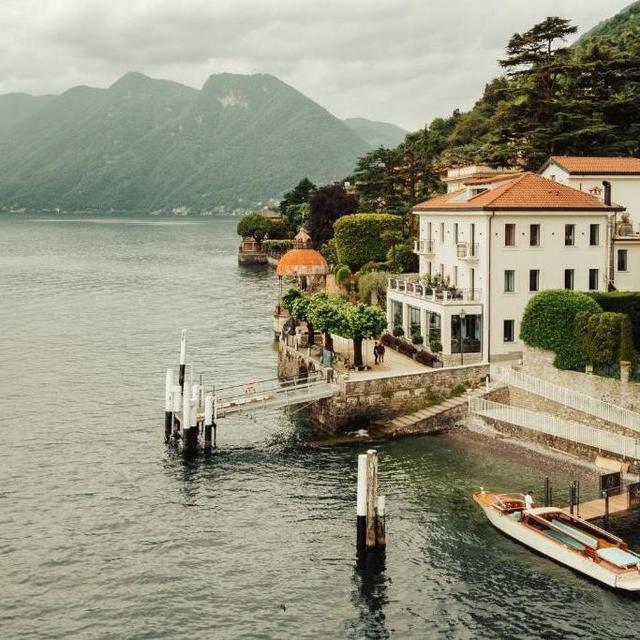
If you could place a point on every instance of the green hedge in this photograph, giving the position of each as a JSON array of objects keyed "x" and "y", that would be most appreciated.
[
  {"x": 358, "y": 238},
  {"x": 622, "y": 302},
  {"x": 276, "y": 248},
  {"x": 548, "y": 323},
  {"x": 600, "y": 336}
]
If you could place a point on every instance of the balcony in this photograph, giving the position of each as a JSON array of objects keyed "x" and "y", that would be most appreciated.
[
  {"x": 468, "y": 250},
  {"x": 439, "y": 295},
  {"x": 424, "y": 247}
]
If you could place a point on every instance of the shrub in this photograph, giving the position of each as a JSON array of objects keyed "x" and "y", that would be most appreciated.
[
  {"x": 626, "y": 341},
  {"x": 458, "y": 390},
  {"x": 372, "y": 282},
  {"x": 406, "y": 261},
  {"x": 277, "y": 230},
  {"x": 605, "y": 338},
  {"x": 406, "y": 348},
  {"x": 622, "y": 302},
  {"x": 388, "y": 340},
  {"x": 276, "y": 248},
  {"x": 548, "y": 323},
  {"x": 424, "y": 357},
  {"x": 398, "y": 331},
  {"x": 329, "y": 252},
  {"x": 343, "y": 273},
  {"x": 436, "y": 346},
  {"x": 254, "y": 225},
  {"x": 417, "y": 338},
  {"x": 358, "y": 237}
]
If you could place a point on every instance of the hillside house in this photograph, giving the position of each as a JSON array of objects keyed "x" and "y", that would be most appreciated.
[{"x": 485, "y": 249}]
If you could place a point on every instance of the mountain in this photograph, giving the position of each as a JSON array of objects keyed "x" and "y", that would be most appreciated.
[
  {"x": 376, "y": 134},
  {"x": 144, "y": 144},
  {"x": 16, "y": 107},
  {"x": 623, "y": 26}
]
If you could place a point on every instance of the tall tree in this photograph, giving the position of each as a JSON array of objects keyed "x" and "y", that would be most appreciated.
[{"x": 326, "y": 205}]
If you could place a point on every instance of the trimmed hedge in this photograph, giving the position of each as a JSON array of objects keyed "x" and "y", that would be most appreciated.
[
  {"x": 548, "y": 323},
  {"x": 276, "y": 248},
  {"x": 622, "y": 302},
  {"x": 600, "y": 336},
  {"x": 358, "y": 238}
]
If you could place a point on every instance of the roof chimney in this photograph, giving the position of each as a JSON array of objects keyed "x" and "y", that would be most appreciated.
[{"x": 607, "y": 192}]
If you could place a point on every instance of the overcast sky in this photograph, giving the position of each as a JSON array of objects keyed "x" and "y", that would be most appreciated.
[{"x": 401, "y": 61}]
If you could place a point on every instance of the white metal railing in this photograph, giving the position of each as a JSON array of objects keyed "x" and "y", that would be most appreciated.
[
  {"x": 468, "y": 250},
  {"x": 557, "y": 427},
  {"x": 424, "y": 247},
  {"x": 434, "y": 293},
  {"x": 568, "y": 397}
]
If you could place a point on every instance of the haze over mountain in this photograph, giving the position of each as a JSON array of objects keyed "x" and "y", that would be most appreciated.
[
  {"x": 376, "y": 133},
  {"x": 146, "y": 144}
]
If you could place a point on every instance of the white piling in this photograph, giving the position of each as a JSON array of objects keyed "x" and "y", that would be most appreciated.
[
  {"x": 183, "y": 356},
  {"x": 361, "y": 502},
  {"x": 208, "y": 422},
  {"x": 168, "y": 405}
]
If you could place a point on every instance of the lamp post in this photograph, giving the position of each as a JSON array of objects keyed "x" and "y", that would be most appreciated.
[{"x": 461, "y": 315}]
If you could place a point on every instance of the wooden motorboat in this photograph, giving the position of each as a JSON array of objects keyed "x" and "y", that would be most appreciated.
[{"x": 565, "y": 538}]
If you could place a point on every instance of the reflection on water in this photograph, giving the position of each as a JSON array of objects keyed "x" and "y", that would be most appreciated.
[{"x": 107, "y": 533}]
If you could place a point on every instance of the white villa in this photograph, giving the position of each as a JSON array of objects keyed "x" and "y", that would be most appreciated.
[
  {"x": 486, "y": 248},
  {"x": 621, "y": 177}
]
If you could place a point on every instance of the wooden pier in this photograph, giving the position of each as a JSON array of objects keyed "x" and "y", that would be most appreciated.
[{"x": 598, "y": 509}]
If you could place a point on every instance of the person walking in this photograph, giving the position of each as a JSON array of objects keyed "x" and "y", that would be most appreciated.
[
  {"x": 381, "y": 350},
  {"x": 376, "y": 353}
]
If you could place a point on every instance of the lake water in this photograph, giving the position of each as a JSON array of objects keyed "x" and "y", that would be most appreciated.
[{"x": 107, "y": 533}]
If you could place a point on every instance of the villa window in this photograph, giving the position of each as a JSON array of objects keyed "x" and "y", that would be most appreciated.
[
  {"x": 569, "y": 278},
  {"x": 594, "y": 235},
  {"x": 622, "y": 260},
  {"x": 442, "y": 232},
  {"x": 569, "y": 235},
  {"x": 509, "y": 330},
  {"x": 593, "y": 279},
  {"x": 509, "y": 281},
  {"x": 534, "y": 280},
  {"x": 534, "y": 235},
  {"x": 455, "y": 232},
  {"x": 397, "y": 313},
  {"x": 414, "y": 320},
  {"x": 509, "y": 235}
]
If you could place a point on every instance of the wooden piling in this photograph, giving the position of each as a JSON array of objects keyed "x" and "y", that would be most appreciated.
[
  {"x": 372, "y": 497},
  {"x": 189, "y": 435},
  {"x": 361, "y": 503},
  {"x": 546, "y": 491},
  {"x": 381, "y": 540}
]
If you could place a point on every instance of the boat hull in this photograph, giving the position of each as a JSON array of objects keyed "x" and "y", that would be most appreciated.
[{"x": 627, "y": 581}]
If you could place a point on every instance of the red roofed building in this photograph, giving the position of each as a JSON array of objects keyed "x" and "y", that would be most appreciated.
[{"x": 486, "y": 249}]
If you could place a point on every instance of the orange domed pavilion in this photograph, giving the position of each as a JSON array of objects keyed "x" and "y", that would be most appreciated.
[{"x": 302, "y": 262}]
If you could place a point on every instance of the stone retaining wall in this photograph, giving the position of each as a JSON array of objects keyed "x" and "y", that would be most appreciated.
[
  {"x": 361, "y": 402},
  {"x": 539, "y": 363}
]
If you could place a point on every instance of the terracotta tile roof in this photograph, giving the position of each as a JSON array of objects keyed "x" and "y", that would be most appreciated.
[
  {"x": 594, "y": 165},
  {"x": 527, "y": 191},
  {"x": 489, "y": 180}
]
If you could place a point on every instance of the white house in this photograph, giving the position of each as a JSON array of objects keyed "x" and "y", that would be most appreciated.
[
  {"x": 618, "y": 179},
  {"x": 493, "y": 245},
  {"x": 457, "y": 177}
]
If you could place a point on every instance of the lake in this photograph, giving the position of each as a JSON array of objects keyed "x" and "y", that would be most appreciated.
[{"x": 107, "y": 533}]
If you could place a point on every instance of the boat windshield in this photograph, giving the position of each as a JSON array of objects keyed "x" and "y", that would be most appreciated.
[{"x": 509, "y": 501}]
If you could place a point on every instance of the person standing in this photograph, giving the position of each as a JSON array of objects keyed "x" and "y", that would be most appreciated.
[
  {"x": 528, "y": 501},
  {"x": 376, "y": 353},
  {"x": 381, "y": 350}
]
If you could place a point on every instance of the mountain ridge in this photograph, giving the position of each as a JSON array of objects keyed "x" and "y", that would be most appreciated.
[{"x": 147, "y": 144}]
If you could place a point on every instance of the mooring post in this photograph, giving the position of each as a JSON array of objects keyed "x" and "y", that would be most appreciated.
[
  {"x": 208, "y": 423},
  {"x": 361, "y": 503},
  {"x": 183, "y": 359},
  {"x": 381, "y": 540},
  {"x": 215, "y": 420},
  {"x": 372, "y": 497},
  {"x": 605, "y": 495},
  {"x": 571, "y": 488},
  {"x": 168, "y": 405},
  {"x": 546, "y": 491},
  {"x": 189, "y": 435},
  {"x": 578, "y": 498}
]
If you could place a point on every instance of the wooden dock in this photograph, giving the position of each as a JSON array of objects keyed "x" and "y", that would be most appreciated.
[{"x": 596, "y": 508}]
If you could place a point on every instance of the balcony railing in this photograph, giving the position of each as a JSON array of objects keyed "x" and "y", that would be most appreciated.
[
  {"x": 423, "y": 247},
  {"x": 439, "y": 295},
  {"x": 468, "y": 250}
]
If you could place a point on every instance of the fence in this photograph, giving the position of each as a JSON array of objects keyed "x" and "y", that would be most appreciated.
[
  {"x": 568, "y": 397},
  {"x": 557, "y": 427}
]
